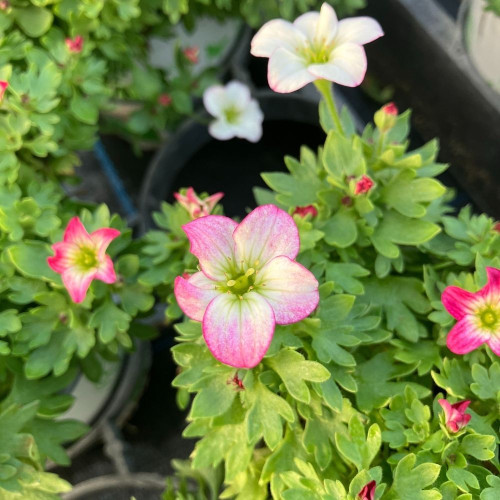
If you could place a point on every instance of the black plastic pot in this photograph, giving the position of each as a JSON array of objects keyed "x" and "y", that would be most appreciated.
[{"x": 193, "y": 158}]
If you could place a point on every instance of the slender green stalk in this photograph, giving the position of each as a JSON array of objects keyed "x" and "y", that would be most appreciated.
[{"x": 325, "y": 89}]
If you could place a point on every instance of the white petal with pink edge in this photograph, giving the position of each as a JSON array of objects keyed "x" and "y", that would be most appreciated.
[
  {"x": 347, "y": 66},
  {"x": 238, "y": 93},
  {"x": 221, "y": 130},
  {"x": 358, "y": 30},
  {"x": 275, "y": 34},
  {"x": 265, "y": 233},
  {"x": 103, "y": 237},
  {"x": 238, "y": 331},
  {"x": 76, "y": 233},
  {"x": 459, "y": 302},
  {"x": 287, "y": 71},
  {"x": 106, "y": 271},
  {"x": 211, "y": 240},
  {"x": 464, "y": 337},
  {"x": 290, "y": 289},
  {"x": 77, "y": 283},
  {"x": 327, "y": 25},
  {"x": 194, "y": 294}
]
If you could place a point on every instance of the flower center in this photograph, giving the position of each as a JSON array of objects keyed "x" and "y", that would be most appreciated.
[
  {"x": 241, "y": 284},
  {"x": 489, "y": 318},
  {"x": 232, "y": 114},
  {"x": 316, "y": 53},
  {"x": 86, "y": 258}
]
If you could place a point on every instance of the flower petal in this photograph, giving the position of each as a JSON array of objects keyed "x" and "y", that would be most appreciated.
[
  {"x": 492, "y": 289},
  {"x": 265, "y": 233},
  {"x": 194, "y": 294},
  {"x": 215, "y": 100},
  {"x": 290, "y": 289},
  {"x": 347, "y": 66},
  {"x": 221, "y": 130},
  {"x": 76, "y": 233},
  {"x": 448, "y": 410},
  {"x": 250, "y": 124},
  {"x": 494, "y": 343},
  {"x": 103, "y": 237},
  {"x": 211, "y": 240},
  {"x": 63, "y": 258},
  {"x": 275, "y": 34},
  {"x": 238, "y": 331},
  {"x": 464, "y": 337},
  {"x": 77, "y": 283},
  {"x": 106, "y": 271},
  {"x": 358, "y": 30},
  {"x": 287, "y": 71},
  {"x": 238, "y": 94},
  {"x": 458, "y": 302},
  {"x": 327, "y": 26},
  {"x": 307, "y": 23}
]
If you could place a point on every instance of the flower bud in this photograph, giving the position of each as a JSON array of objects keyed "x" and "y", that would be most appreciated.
[{"x": 386, "y": 117}]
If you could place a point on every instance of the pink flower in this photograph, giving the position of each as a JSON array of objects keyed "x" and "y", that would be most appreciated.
[
  {"x": 81, "y": 258},
  {"x": 368, "y": 491},
  {"x": 3, "y": 88},
  {"x": 316, "y": 46},
  {"x": 195, "y": 206},
  {"x": 248, "y": 283},
  {"x": 164, "y": 100},
  {"x": 454, "y": 414},
  {"x": 478, "y": 316},
  {"x": 74, "y": 45},
  {"x": 4, "y": 5},
  {"x": 192, "y": 54},
  {"x": 390, "y": 109},
  {"x": 363, "y": 185},
  {"x": 303, "y": 211}
]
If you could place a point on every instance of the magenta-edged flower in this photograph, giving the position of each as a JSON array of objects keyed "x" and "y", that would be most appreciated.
[
  {"x": 368, "y": 491},
  {"x": 248, "y": 283},
  {"x": 164, "y": 100},
  {"x": 3, "y": 88},
  {"x": 478, "y": 316},
  {"x": 192, "y": 54},
  {"x": 454, "y": 414},
  {"x": 316, "y": 46},
  {"x": 74, "y": 45},
  {"x": 364, "y": 185},
  {"x": 81, "y": 257},
  {"x": 308, "y": 210},
  {"x": 195, "y": 206}
]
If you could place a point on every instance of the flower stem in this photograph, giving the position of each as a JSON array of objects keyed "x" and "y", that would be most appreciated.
[{"x": 325, "y": 89}]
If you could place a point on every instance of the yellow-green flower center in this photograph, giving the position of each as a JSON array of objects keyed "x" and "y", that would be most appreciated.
[
  {"x": 86, "y": 259},
  {"x": 318, "y": 53},
  {"x": 239, "y": 285},
  {"x": 489, "y": 318},
  {"x": 232, "y": 114}
]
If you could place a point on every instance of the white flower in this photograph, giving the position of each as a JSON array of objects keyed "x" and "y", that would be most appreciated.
[
  {"x": 315, "y": 46},
  {"x": 236, "y": 113}
]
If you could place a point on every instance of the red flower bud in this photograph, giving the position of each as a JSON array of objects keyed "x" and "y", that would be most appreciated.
[
  {"x": 363, "y": 185},
  {"x": 164, "y": 100},
  {"x": 390, "y": 109},
  {"x": 303, "y": 211},
  {"x": 75, "y": 45},
  {"x": 368, "y": 491},
  {"x": 192, "y": 54}
]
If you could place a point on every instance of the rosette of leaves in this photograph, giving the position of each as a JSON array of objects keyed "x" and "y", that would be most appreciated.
[
  {"x": 55, "y": 96},
  {"x": 38, "y": 322},
  {"x": 349, "y": 395}
]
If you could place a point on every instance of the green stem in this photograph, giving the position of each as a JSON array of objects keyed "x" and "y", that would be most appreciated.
[{"x": 325, "y": 89}]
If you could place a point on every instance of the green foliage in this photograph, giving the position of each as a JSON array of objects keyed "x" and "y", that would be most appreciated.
[{"x": 344, "y": 397}]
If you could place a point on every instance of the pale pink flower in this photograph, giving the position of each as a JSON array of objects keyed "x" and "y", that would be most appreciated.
[
  {"x": 164, "y": 100},
  {"x": 81, "y": 257},
  {"x": 192, "y": 54},
  {"x": 195, "y": 206},
  {"x": 368, "y": 491},
  {"x": 74, "y": 45},
  {"x": 454, "y": 414},
  {"x": 478, "y": 316},
  {"x": 364, "y": 185},
  {"x": 308, "y": 210},
  {"x": 236, "y": 113},
  {"x": 315, "y": 46},
  {"x": 3, "y": 88},
  {"x": 248, "y": 283}
]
